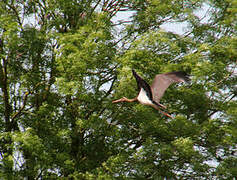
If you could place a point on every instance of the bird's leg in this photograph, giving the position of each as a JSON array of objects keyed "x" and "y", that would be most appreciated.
[
  {"x": 124, "y": 99},
  {"x": 166, "y": 114}
]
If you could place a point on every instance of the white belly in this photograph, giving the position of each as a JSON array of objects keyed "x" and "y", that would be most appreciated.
[{"x": 143, "y": 98}]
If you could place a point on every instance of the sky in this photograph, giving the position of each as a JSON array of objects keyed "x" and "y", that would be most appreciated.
[{"x": 175, "y": 27}]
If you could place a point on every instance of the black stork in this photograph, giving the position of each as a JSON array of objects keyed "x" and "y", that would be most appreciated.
[{"x": 151, "y": 95}]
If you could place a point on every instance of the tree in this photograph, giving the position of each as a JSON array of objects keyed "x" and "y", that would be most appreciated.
[{"x": 63, "y": 62}]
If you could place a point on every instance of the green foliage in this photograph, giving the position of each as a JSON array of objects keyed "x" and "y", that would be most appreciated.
[{"x": 63, "y": 62}]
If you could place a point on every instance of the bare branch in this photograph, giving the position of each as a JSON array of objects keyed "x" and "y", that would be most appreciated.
[
  {"x": 15, "y": 115},
  {"x": 95, "y": 7},
  {"x": 22, "y": 107}
]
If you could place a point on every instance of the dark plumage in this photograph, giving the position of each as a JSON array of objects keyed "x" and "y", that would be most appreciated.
[{"x": 151, "y": 95}]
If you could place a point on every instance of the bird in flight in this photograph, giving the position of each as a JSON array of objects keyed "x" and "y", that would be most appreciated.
[{"x": 151, "y": 95}]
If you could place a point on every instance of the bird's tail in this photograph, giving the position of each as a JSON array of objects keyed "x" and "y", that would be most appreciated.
[{"x": 159, "y": 105}]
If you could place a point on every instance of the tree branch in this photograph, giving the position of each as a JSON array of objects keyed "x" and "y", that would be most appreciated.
[
  {"x": 4, "y": 87},
  {"x": 22, "y": 107},
  {"x": 16, "y": 114},
  {"x": 16, "y": 13}
]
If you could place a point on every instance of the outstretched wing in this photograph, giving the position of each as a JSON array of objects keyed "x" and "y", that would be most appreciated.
[
  {"x": 141, "y": 83},
  {"x": 163, "y": 81}
]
